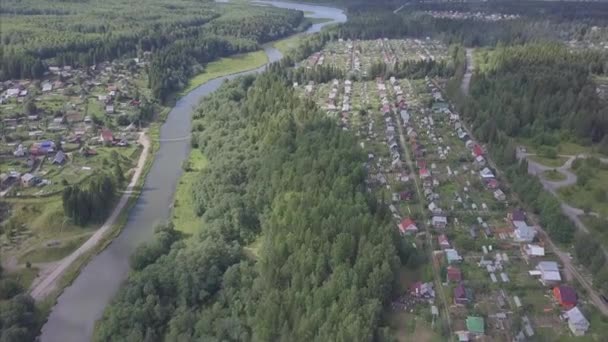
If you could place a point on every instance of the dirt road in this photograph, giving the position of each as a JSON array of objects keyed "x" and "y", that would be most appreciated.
[
  {"x": 466, "y": 79},
  {"x": 48, "y": 282}
]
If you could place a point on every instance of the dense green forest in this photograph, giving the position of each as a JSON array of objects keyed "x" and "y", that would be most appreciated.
[
  {"x": 182, "y": 35},
  {"x": 530, "y": 90},
  {"x": 19, "y": 320},
  {"x": 289, "y": 183}
]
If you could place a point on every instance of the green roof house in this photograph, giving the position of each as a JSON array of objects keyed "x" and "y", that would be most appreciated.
[{"x": 475, "y": 325}]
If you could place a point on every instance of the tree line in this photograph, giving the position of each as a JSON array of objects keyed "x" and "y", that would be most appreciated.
[{"x": 290, "y": 246}]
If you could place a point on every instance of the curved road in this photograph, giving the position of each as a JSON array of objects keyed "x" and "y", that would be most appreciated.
[{"x": 83, "y": 302}]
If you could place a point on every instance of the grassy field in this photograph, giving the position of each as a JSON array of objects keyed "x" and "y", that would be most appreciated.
[
  {"x": 49, "y": 254},
  {"x": 551, "y": 162},
  {"x": 287, "y": 44},
  {"x": 226, "y": 66},
  {"x": 184, "y": 215},
  {"x": 554, "y": 176},
  {"x": 24, "y": 276},
  {"x": 585, "y": 197}
]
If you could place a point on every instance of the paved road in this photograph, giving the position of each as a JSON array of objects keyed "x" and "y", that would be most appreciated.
[{"x": 45, "y": 285}]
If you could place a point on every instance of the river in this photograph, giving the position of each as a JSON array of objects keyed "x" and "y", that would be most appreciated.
[{"x": 83, "y": 302}]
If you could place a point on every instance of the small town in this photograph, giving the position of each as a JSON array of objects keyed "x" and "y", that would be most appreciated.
[
  {"x": 490, "y": 274},
  {"x": 65, "y": 130}
]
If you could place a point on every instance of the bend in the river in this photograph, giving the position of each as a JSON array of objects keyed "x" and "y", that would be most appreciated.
[{"x": 83, "y": 302}]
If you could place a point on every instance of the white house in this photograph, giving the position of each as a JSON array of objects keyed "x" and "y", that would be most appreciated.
[
  {"x": 549, "y": 272},
  {"x": 577, "y": 322},
  {"x": 534, "y": 250}
]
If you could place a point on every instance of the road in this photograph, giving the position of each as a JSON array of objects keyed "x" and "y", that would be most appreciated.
[
  {"x": 466, "y": 79},
  {"x": 436, "y": 270},
  {"x": 48, "y": 283}
]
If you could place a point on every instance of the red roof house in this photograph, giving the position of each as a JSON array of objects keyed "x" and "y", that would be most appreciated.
[
  {"x": 443, "y": 241},
  {"x": 454, "y": 274},
  {"x": 477, "y": 151},
  {"x": 407, "y": 226},
  {"x": 566, "y": 296},
  {"x": 424, "y": 173},
  {"x": 106, "y": 136},
  {"x": 492, "y": 184}
]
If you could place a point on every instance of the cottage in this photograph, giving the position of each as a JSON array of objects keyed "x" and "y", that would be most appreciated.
[
  {"x": 480, "y": 161},
  {"x": 422, "y": 290},
  {"x": 577, "y": 322},
  {"x": 517, "y": 215},
  {"x": 46, "y": 87},
  {"x": 424, "y": 173},
  {"x": 452, "y": 256},
  {"x": 477, "y": 151},
  {"x": 439, "y": 221},
  {"x": 407, "y": 226},
  {"x": 106, "y": 136},
  {"x": 461, "y": 295},
  {"x": 475, "y": 325},
  {"x": 20, "y": 151},
  {"x": 443, "y": 242},
  {"x": 549, "y": 273},
  {"x": 60, "y": 158},
  {"x": 523, "y": 232},
  {"x": 534, "y": 250},
  {"x": 28, "y": 180},
  {"x": 499, "y": 195},
  {"x": 491, "y": 183},
  {"x": 565, "y": 296},
  {"x": 454, "y": 274},
  {"x": 486, "y": 173},
  {"x": 110, "y": 109}
]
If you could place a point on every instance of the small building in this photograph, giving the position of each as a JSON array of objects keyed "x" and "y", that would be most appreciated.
[
  {"x": 439, "y": 221},
  {"x": 106, "y": 136},
  {"x": 60, "y": 158},
  {"x": 443, "y": 242},
  {"x": 577, "y": 322},
  {"x": 534, "y": 250},
  {"x": 28, "y": 180},
  {"x": 499, "y": 195},
  {"x": 452, "y": 256},
  {"x": 475, "y": 325},
  {"x": 549, "y": 273},
  {"x": 110, "y": 109},
  {"x": 46, "y": 87},
  {"x": 461, "y": 295},
  {"x": 523, "y": 232},
  {"x": 407, "y": 226},
  {"x": 454, "y": 274},
  {"x": 565, "y": 296},
  {"x": 486, "y": 173},
  {"x": 422, "y": 290}
]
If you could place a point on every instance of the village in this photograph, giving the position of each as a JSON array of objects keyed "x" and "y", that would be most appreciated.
[
  {"x": 64, "y": 130},
  {"x": 489, "y": 274}
]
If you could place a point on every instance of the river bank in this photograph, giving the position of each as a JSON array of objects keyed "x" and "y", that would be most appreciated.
[{"x": 82, "y": 303}]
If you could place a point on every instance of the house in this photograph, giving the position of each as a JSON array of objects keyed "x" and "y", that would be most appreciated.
[
  {"x": 110, "y": 109},
  {"x": 407, "y": 226},
  {"x": 439, "y": 221},
  {"x": 28, "y": 180},
  {"x": 454, "y": 274},
  {"x": 452, "y": 256},
  {"x": 517, "y": 215},
  {"x": 60, "y": 158},
  {"x": 106, "y": 136},
  {"x": 486, "y": 173},
  {"x": 491, "y": 183},
  {"x": 534, "y": 250},
  {"x": 20, "y": 151},
  {"x": 523, "y": 232},
  {"x": 565, "y": 296},
  {"x": 549, "y": 273},
  {"x": 577, "y": 322},
  {"x": 461, "y": 295},
  {"x": 499, "y": 195},
  {"x": 480, "y": 161},
  {"x": 424, "y": 173},
  {"x": 443, "y": 242},
  {"x": 475, "y": 325},
  {"x": 46, "y": 87},
  {"x": 422, "y": 290},
  {"x": 477, "y": 151}
]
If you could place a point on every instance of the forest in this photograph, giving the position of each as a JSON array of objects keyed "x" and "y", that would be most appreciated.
[
  {"x": 533, "y": 89},
  {"x": 286, "y": 228}
]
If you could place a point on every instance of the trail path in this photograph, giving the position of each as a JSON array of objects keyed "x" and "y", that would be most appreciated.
[{"x": 47, "y": 282}]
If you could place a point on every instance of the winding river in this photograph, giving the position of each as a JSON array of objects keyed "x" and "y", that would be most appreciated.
[{"x": 83, "y": 302}]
